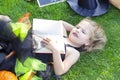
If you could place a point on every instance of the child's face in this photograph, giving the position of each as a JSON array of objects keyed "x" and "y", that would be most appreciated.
[{"x": 82, "y": 33}]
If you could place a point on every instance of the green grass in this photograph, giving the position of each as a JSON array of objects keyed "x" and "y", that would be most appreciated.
[{"x": 101, "y": 65}]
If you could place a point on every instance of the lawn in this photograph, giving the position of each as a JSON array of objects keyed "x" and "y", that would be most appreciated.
[{"x": 99, "y": 65}]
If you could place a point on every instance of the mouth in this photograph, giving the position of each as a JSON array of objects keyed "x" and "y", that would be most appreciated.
[{"x": 75, "y": 34}]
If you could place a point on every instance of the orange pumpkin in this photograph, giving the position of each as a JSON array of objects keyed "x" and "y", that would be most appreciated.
[{"x": 7, "y": 75}]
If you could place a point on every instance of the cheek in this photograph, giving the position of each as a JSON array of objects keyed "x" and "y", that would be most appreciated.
[{"x": 83, "y": 39}]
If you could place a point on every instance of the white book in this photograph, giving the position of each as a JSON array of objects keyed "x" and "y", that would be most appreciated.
[
  {"x": 52, "y": 29},
  {"x": 43, "y": 3}
]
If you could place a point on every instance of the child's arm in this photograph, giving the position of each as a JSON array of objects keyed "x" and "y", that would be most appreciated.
[
  {"x": 67, "y": 26},
  {"x": 10, "y": 55},
  {"x": 5, "y": 57},
  {"x": 61, "y": 67}
]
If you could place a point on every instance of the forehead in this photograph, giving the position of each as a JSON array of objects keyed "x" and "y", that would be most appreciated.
[{"x": 86, "y": 25}]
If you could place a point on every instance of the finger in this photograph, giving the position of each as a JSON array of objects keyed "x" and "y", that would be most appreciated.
[
  {"x": 44, "y": 43},
  {"x": 47, "y": 40}
]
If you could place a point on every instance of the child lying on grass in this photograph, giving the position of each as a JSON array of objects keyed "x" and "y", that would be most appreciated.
[{"x": 87, "y": 35}]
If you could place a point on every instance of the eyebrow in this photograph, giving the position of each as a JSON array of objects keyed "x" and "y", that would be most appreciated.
[{"x": 78, "y": 26}]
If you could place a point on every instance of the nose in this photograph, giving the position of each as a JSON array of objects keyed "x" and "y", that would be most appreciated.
[{"x": 77, "y": 30}]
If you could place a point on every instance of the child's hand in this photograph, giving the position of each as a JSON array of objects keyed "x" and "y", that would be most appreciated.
[
  {"x": 10, "y": 55},
  {"x": 50, "y": 44}
]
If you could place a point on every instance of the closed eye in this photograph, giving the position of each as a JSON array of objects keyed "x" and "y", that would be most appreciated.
[
  {"x": 77, "y": 27},
  {"x": 83, "y": 31}
]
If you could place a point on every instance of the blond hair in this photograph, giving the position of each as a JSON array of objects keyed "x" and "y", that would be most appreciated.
[{"x": 98, "y": 39}]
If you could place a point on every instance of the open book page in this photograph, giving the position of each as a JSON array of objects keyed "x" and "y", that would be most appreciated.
[
  {"x": 47, "y": 28},
  {"x": 43, "y": 3}
]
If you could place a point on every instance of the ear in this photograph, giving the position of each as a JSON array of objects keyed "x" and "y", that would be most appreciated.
[{"x": 88, "y": 42}]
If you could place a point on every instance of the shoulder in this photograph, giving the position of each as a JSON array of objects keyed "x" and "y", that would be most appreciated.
[{"x": 72, "y": 51}]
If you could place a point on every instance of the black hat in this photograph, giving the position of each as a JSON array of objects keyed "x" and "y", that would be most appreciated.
[
  {"x": 89, "y": 7},
  {"x": 6, "y": 31}
]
